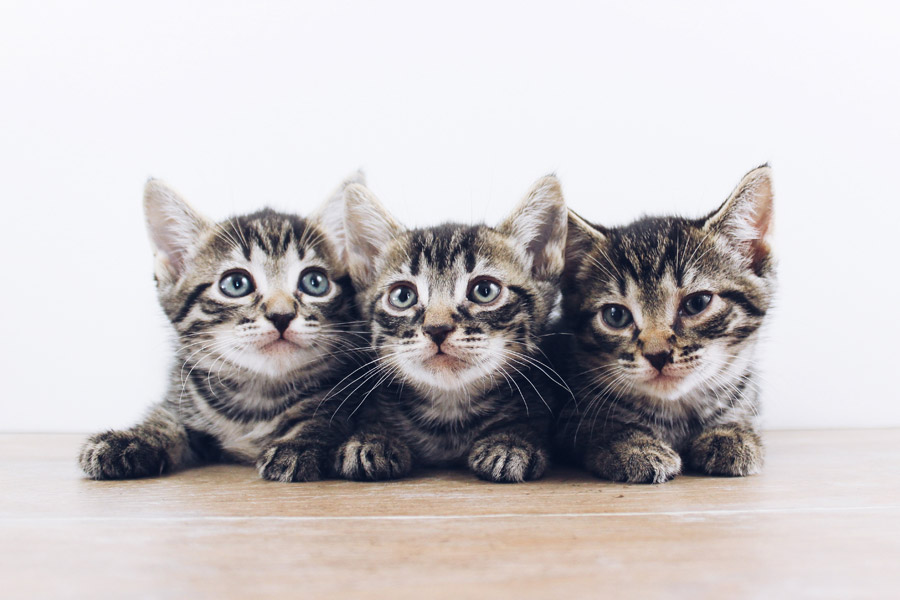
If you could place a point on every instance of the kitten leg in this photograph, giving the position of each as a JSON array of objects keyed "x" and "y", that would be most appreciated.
[
  {"x": 292, "y": 461},
  {"x": 632, "y": 456},
  {"x": 510, "y": 455},
  {"x": 736, "y": 451},
  {"x": 303, "y": 453},
  {"x": 373, "y": 455},
  {"x": 157, "y": 445}
]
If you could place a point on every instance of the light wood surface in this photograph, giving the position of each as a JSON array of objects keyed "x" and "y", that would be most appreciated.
[{"x": 822, "y": 521}]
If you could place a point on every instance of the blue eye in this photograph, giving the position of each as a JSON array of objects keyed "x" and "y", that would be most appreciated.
[
  {"x": 314, "y": 282},
  {"x": 402, "y": 296},
  {"x": 236, "y": 284},
  {"x": 616, "y": 316},
  {"x": 484, "y": 291},
  {"x": 696, "y": 303}
]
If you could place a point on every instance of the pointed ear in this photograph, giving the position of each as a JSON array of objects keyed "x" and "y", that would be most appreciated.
[
  {"x": 745, "y": 218},
  {"x": 174, "y": 228},
  {"x": 330, "y": 215},
  {"x": 582, "y": 236},
  {"x": 370, "y": 228},
  {"x": 538, "y": 225}
]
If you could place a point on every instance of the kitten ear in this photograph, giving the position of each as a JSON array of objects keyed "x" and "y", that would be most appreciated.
[
  {"x": 746, "y": 217},
  {"x": 370, "y": 228},
  {"x": 538, "y": 225},
  {"x": 330, "y": 215},
  {"x": 174, "y": 228},
  {"x": 581, "y": 238}
]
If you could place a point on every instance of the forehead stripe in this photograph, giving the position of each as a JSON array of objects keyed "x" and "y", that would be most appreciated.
[{"x": 470, "y": 260}]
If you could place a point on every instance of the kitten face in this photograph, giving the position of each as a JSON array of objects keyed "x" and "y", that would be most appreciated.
[
  {"x": 264, "y": 294},
  {"x": 457, "y": 308},
  {"x": 665, "y": 307},
  {"x": 452, "y": 307}
]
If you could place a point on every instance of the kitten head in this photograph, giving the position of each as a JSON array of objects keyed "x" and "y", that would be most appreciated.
[
  {"x": 266, "y": 294},
  {"x": 667, "y": 306},
  {"x": 457, "y": 307}
]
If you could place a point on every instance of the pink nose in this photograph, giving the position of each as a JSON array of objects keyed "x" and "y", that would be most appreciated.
[
  {"x": 281, "y": 321},
  {"x": 659, "y": 359},
  {"x": 438, "y": 333}
]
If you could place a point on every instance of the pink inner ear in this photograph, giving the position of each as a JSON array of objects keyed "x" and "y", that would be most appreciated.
[{"x": 762, "y": 222}]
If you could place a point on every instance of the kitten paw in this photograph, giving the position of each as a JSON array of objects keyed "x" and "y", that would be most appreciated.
[
  {"x": 731, "y": 452},
  {"x": 373, "y": 457},
  {"x": 291, "y": 462},
  {"x": 505, "y": 458},
  {"x": 121, "y": 455},
  {"x": 635, "y": 458}
]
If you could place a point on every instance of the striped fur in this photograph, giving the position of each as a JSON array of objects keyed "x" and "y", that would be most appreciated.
[
  {"x": 252, "y": 374},
  {"x": 455, "y": 381},
  {"x": 670, "y": 384}
]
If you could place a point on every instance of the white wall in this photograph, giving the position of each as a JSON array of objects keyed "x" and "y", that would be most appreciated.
[{"x": 453, "y": 110}]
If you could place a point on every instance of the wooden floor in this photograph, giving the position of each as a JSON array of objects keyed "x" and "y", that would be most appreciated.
[{"x": 823, "y": 520}]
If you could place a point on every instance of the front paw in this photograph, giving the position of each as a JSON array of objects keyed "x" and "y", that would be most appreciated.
[
  {"x": 505, "y": 458},
  {"x": 732, "y": 452},
  {"x": 635, "y": 458},
  {"x": 121, "y": 455},
  {"x": 373, "y": 457},
  {"x": 292, "y": 461}
]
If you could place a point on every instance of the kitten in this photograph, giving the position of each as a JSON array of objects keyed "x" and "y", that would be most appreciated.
[
  {"x": 263, "y": 309},
  {"x": 666, "y": 314},
  {"x": 456, "y": 314}
]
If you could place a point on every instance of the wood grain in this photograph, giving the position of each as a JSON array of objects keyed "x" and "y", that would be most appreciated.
[{"x": 823, "y": 520}]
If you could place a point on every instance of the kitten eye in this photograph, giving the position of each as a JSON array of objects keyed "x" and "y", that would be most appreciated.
[
  {"x": 616, "y": 316},
  {"x": 314, "y": 282},
  {"x": 696, "y": 303},
  {"x": 484, "y": 291},
  {"x": 236, "y": 284},
  {"x": 402, "y": 296}
]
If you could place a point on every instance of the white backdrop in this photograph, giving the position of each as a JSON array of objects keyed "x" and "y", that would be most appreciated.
[{"x": 452, "y": 109}]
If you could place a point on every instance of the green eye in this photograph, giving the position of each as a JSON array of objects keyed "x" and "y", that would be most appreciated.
[
  {"x": 314, "y": 282},
  {"x": 402, "y": 296},
  {"x": 484, "y": 291},
  {"x": 616, "y": 316},
  {"x": 696, "y": 303},
  {"x": 236, "y": 284}
]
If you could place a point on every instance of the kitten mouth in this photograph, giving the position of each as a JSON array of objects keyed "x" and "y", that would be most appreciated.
[
  {"x": 442, "y": 360},
  {"x": 278, "y": 346},
  {"x": 664, "y": 380}
]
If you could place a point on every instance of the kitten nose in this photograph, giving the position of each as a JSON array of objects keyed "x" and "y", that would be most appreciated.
[
  {"x": 659, "y": 360},
  {"x": 438, "y": 333},
  {"x": 281, "y": 321}
]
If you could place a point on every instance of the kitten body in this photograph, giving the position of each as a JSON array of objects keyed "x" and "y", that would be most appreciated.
[
  {"x": 666, "y": 313},
  {"x": 456, "y": 314},
  {"x": 263, "y": 310}
]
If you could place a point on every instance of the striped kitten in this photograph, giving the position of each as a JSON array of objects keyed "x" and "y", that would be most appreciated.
[
  {"x": 666, "y": 313},
  {"x": 263, "y": 310},
  {"x": 456, "y": 315}
]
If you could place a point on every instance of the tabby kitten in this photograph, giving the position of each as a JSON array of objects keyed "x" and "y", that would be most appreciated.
[
  {"x": 456, "y": 314},
  {"x": 666, "y": 314},
  {"x": 263, "y": 310}
]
